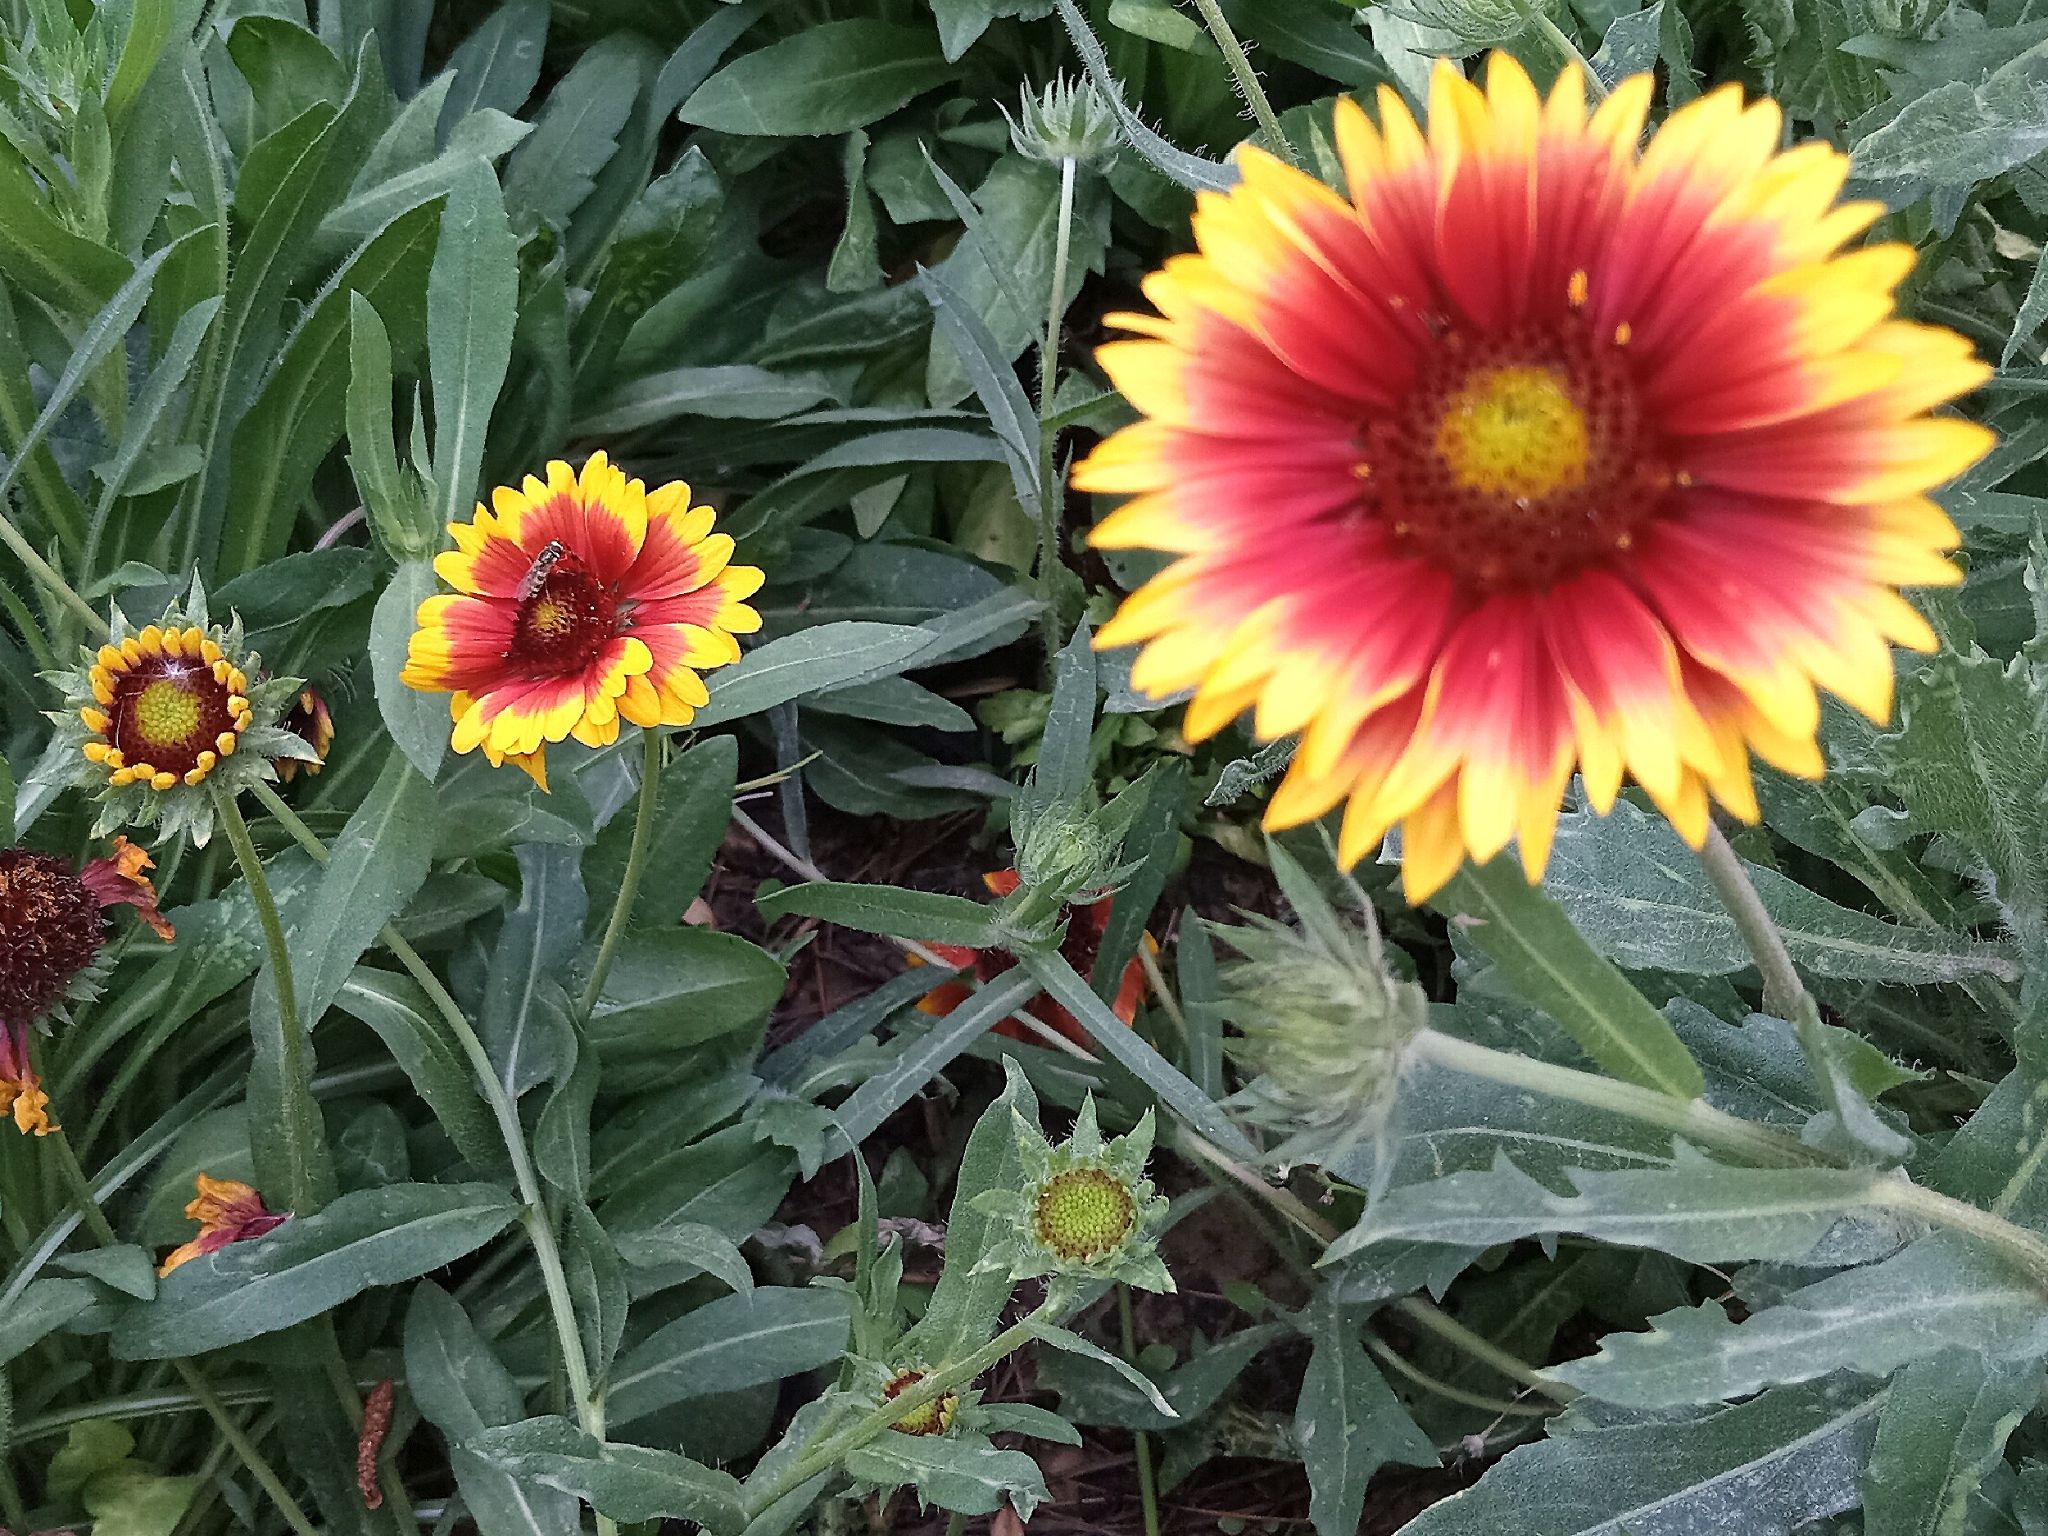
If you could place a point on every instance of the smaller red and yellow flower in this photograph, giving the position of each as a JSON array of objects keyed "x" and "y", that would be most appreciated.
[
  {"x": 1080, "y": 947},
  {"x": 168, "y": 705},
  {"x": 21, "y": 1091},
  {"x": 309, "y": 720},
  {"x": 579, "y": 601},
  {"x": 227, "y": 1212}
]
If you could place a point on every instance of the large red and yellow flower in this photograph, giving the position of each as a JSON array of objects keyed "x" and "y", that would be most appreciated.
[
  {"x": 1540, "y": 451},
  {"x": 579, "y": 601}
]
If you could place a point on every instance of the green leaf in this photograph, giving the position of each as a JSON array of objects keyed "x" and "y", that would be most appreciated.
[
  {"x": 924, "y": 915},
  {"x": 497, "y": 65},
  {"x": 472, "y": 305},
  {"x": 310, "y": 1265},
  {"x": 1155, "y": 1402},
  {"x": 625, "y": 1482},
  {"x": 393, "y": 497},
  {"x": 1544, "y": 956},
  {"x": 688, "y": 1243},
  {"x": 147, "y": 412},
  {"x": 810, "y": 661},
  {"x": 1699, "y": 1211},
  {"x": 736, "y": 1341},
  {"x": 1774, "y": 1463},
  {"x": 1150, "y": 843},
  {"x": 1115, "y": 1038},
  {"x": 673, "y": 988},
  {"x": 405, "y": 171},
  {"x": 788, "y": 1065},
  {"x": 1177, "y": 165},
  {"x": 134, "y": 1501},
  {"x": 1963, "y": 132},
  {"x": 995, "y": 385},
  {"x": 300, "y": 414},
  {"x": 124, "y": 1266},
  {"x": 658, "y": 244},
  {"x": 1937, "y": 1293},
  {"x": 725, "y": 392},
  {"x": 40, "y": 1309},
  {"x": 398, "y": 1009},
  {"x": 597, "y": 1284},
  {"x": 1944, "y": 1425},
  {"x": 728, "y": 1182},
  {"x": 895, "y": 701},
  {"x": 959, "y": 1472},
  {"x": 40, "y": 256},
  {"x": 1635, "y": 892},
  {"x": 462, "y": 1389},
  {"x": 576, "y": 133},
  {"x": 824, "y": 79},
  {"x": 1347, "y": 1421},
  {"x": 418, "y": 722},
  {"x": 855, "y": 266},
  {"x": 525, "y": 1013},
  {"x": 691, "y": 815}
]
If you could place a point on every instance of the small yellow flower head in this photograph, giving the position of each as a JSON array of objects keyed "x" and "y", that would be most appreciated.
[
  {"x": 933, "y": 1418},
  {"x": 156, "y": 714},
  {"x": 1085, "y": 1207}
]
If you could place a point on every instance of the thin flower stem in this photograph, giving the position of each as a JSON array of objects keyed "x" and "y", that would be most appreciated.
[
  {"x": 1247, "y": 79},
  {"x": 833, "y": 1449},
  {"x": 51, "y": 578},
  {"x": 74, "y": 1178},
  {"x": 1141, "y": 1443},
  {"x": 539, "y": 1230},
  {"x": 1387, "y": 1355},
  {"x": 1052, "y": 498},
  {"x": 1283, "y": 1200},
  {"x": 1783, "y": 990},
  {"x": 629, "y": 886},
  {"x": 1567, "y": 51},
  {"x": 1454, "y": 1333},
  {"x": 301, "y": 1127}
]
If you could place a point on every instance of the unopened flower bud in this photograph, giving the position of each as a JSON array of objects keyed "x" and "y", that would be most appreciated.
[{"x": 1068, "y": 120}]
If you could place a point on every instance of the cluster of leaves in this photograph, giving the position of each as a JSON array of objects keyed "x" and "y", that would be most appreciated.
[{"x": 281, "y": 285}]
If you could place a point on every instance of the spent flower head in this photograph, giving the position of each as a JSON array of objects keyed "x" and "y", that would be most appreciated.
[
  {"x": 1322, "y": 1029},
  {"x": 1068, "y": 120},
  {"x": 1083, "y": 1208},
  {"x": 162, "y": 716}
]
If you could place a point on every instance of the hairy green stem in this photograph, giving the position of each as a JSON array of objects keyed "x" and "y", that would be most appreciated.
[
  {"x": 1783, "y": 990},
  {"x": 834, "y": 1448},
  {"x": 300, "y": 1127},
  {"x": 51, "y": 578},
  {"x": 636, "y": 864},
  {"x": 1567, "y": 51},
  {"x": 1392, "y": 1358},
  {"x": 1247, "y": 79},
  {"x": 73, "y": 1175},
  {"x": 534, "y": 1218},
  {"x": 1052, "y": 498},
  {"x": 1141, "y": 1443},
  {"x": 1439, "y": 1322}
]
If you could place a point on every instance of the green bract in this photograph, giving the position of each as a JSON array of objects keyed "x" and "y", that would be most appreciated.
[{"x": 1083, "y": 1208}]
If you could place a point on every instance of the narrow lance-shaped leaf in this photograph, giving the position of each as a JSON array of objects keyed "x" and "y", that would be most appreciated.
[{"x": 472, "y": 306}]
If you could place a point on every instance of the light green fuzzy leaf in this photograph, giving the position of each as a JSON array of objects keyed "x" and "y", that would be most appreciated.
[
  {"x": 737, "y": 1341},
  {"x": 811, "y": 661},
  {"x": 576, "y": 134},
  {"x": 1945, "y": 1423},
  {"x": 926, "y": 915},
  {"x": 672, "y": 988},
  {"x": 1347, "y": 1421},
  {"x": 962, "y": 1473},
  {"x": 825, "y": 79},
  {"x": 734, "y": 391},
  {"x": 472, "y": 306},
  {"x": 418, "y": 722},
  {"x": 1940, "y": 1292},
  {"x": 626, "y": 1482},
  {"x": 310, "y": 1265},
  {"x": 398, "y": 1009}
]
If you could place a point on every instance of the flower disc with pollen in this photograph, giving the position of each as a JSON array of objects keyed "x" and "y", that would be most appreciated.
[
  {"x": 579, "y": 601},
  {"x": 1083, "y": 1213},
  {"x": 1542, "y": 449},
  {"x": 168, "y": 705},
  {"x": 50, "y": 931}
]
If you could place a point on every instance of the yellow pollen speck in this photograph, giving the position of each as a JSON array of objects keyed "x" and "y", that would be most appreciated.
[
  {"x": 1361, "y": 471},
  {"x": 1622, "y": 332},
  {"x": 1683, "y": 477},
  {"x": 167, "y": 713},
  {"x": 1577, "y": 289},
  {"x": 1514, "y": 432}
]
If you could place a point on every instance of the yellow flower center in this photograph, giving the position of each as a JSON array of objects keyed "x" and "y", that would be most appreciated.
[
  {"x": 166, "y": 713},
  {"x": 1514, "y": 432},
  {"x": 1083, "y": 1213}
]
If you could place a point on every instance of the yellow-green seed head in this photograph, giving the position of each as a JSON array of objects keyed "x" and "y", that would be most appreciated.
[
  {"x": 933, "y": 1418},
  {"x": 1083, "y": 1213}
]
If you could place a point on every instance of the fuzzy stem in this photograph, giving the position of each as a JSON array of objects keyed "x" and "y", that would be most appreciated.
[
  {"x": 1247, "y": 79},
  {"x": 301, "y": 1120},
  {"x": 1052, "y": 499},
  {"x": 1141, "y": 1443},
  {"x": 1783, "y": 990},
  {"x": 51, "y": 578},
  {"x": 539, "y": 1231},
  {"x": 1567, "y": 51},
  {"x": 1485, "y": 1351},
  {"x": 629, "y": 886},
  {"x": 95, "y": 1219},
  {"x": 1388, "y": 1356}
]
